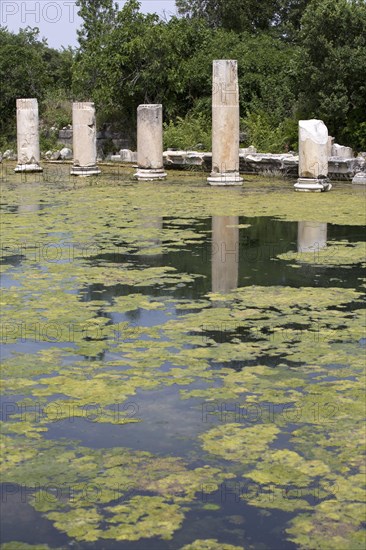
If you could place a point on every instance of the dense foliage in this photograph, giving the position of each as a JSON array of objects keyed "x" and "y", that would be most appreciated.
[
  {"x": 29, "y": 68},
  {"x": 296, "y": 59}
]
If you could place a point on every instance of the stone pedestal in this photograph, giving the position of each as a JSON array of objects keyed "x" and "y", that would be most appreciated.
[
  {"x": 225, "y": 124},
  {"x": 28, "y": 136},
  {"x": 150, "y": 143},
  {"x": 225, "y": 253},
  {"x": 84, "y": 140},
  {"x": 313, "y": 156}
]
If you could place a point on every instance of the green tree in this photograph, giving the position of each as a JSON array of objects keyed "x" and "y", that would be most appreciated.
[
  {"x": 331, "y": 67},
  {"x": 99, "y": 17},
  {"x": 237, "y": 15},
  {"x": 32, "y": 69},
  {"x": 282, "y": 16},
  {"x": 141, "y": 59}
]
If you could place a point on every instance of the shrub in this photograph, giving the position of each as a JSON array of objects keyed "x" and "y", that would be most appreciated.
[
  {"x": 191, "y": 132},
  {"x": 269, "y": 137},
  {"x": 56, "y": 109}
]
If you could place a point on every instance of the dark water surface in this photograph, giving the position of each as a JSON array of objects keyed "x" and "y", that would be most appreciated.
[{"x": 124, "y": 345}]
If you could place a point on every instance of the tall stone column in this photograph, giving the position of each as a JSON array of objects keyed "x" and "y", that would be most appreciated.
[
  {"x": 225, "y": 253},
  {"x": 313, "y": 156},
  {"x": 28, "y": 136},
  {"x": 150, "y": 143},
  {"x": 84, "y": 140},
  {"x": 225, "y": 124}
]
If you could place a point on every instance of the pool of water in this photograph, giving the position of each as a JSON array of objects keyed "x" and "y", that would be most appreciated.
[{"x": 183, "y": 366}]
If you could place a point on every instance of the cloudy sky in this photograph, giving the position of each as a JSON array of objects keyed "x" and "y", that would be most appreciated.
[{"x": 58, "y": 20}]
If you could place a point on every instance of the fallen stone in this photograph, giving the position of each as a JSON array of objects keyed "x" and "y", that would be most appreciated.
[
  {"x": 65, "y": 133},
  {"x": 56, "y": 155},
  {"x": 247, "y": 150},
  {"x": 359, "y": 178},
  {"x": 341, "y": 151},
  {"x": 66, "y": 153},
  {"x": 9, "y": 155},
  {"x": 126, "y": 155}
]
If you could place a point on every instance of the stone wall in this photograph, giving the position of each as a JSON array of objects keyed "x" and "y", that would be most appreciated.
[{"x": 106, "y": 140}]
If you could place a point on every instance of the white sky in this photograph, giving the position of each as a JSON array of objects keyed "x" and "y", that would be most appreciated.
[{"x": 58, "y": 20}]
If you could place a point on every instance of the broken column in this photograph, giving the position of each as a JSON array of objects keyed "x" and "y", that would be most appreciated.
[
  {"x": 84, "y": 140},
  {"x": 28, "y": 136},
  {"x": 313, "y": 156},
  {"x": 225, "y": 124},
  {"x": 150, "y": 143}
]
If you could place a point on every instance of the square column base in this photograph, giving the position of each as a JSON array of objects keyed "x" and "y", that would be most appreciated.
[
  {"x": 28, "y": 168},
  {"x": 316, "y": 185},
  {"x": 85, "y": 171},
  {"x": 149, "y": 174},
  {"x": 224, "y": 178}
]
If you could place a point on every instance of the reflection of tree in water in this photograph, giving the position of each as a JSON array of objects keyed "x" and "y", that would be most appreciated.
[{"x": 133, "y": 316}]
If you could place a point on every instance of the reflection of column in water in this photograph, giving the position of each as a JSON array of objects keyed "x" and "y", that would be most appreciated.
[
  {"x": 29, "y": 198},
  {"x": 311, "y": 236},
  {"x": 151, "y": 244},
  {"x": 225, "y": 253}
]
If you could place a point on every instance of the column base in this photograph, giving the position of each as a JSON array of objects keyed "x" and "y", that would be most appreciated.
[
  {"x": 147, "y": 174},
  {"x": 85, "y": 171},
  {"x": 316, "y": 185},
  {"x": 360, "y": 178},
  {"x": 28, "y": 168},
  {"x": 224, "y": 178}
]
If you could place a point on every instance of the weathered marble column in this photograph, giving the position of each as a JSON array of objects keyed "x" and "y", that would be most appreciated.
[
  {"x": 225, "y": 124},
  {"x": 313, "y": 156},
  {"x": 28, "y": 136},
  {"x": 225, "y": 253},
  {"x": 311, "y": 236},
  {"x": 84, "y": 140},
  {"x": 150, "y": 143}
]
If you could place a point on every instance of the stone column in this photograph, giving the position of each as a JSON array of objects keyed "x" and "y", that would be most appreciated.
[
  {"x": 150, "y": 143},
  {"x": 225, "y": 124},
  {"x": 84, "y": 140},
  {"x": 28, "y": 136},
  {"x": 225, "y": 253},
  {"x": 313, "y": 156},
  {"x": 311, "y": 236}
]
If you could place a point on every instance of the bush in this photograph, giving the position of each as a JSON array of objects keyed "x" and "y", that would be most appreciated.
[
  {"x": 49, "y": 141},
  {"x": 191, "y": 132},
  {"x": 269, "y": 137},
  {"x": 56, "y": 109}
]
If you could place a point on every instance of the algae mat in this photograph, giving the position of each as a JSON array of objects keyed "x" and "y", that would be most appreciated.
[{"x": 183, "y": 367}]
